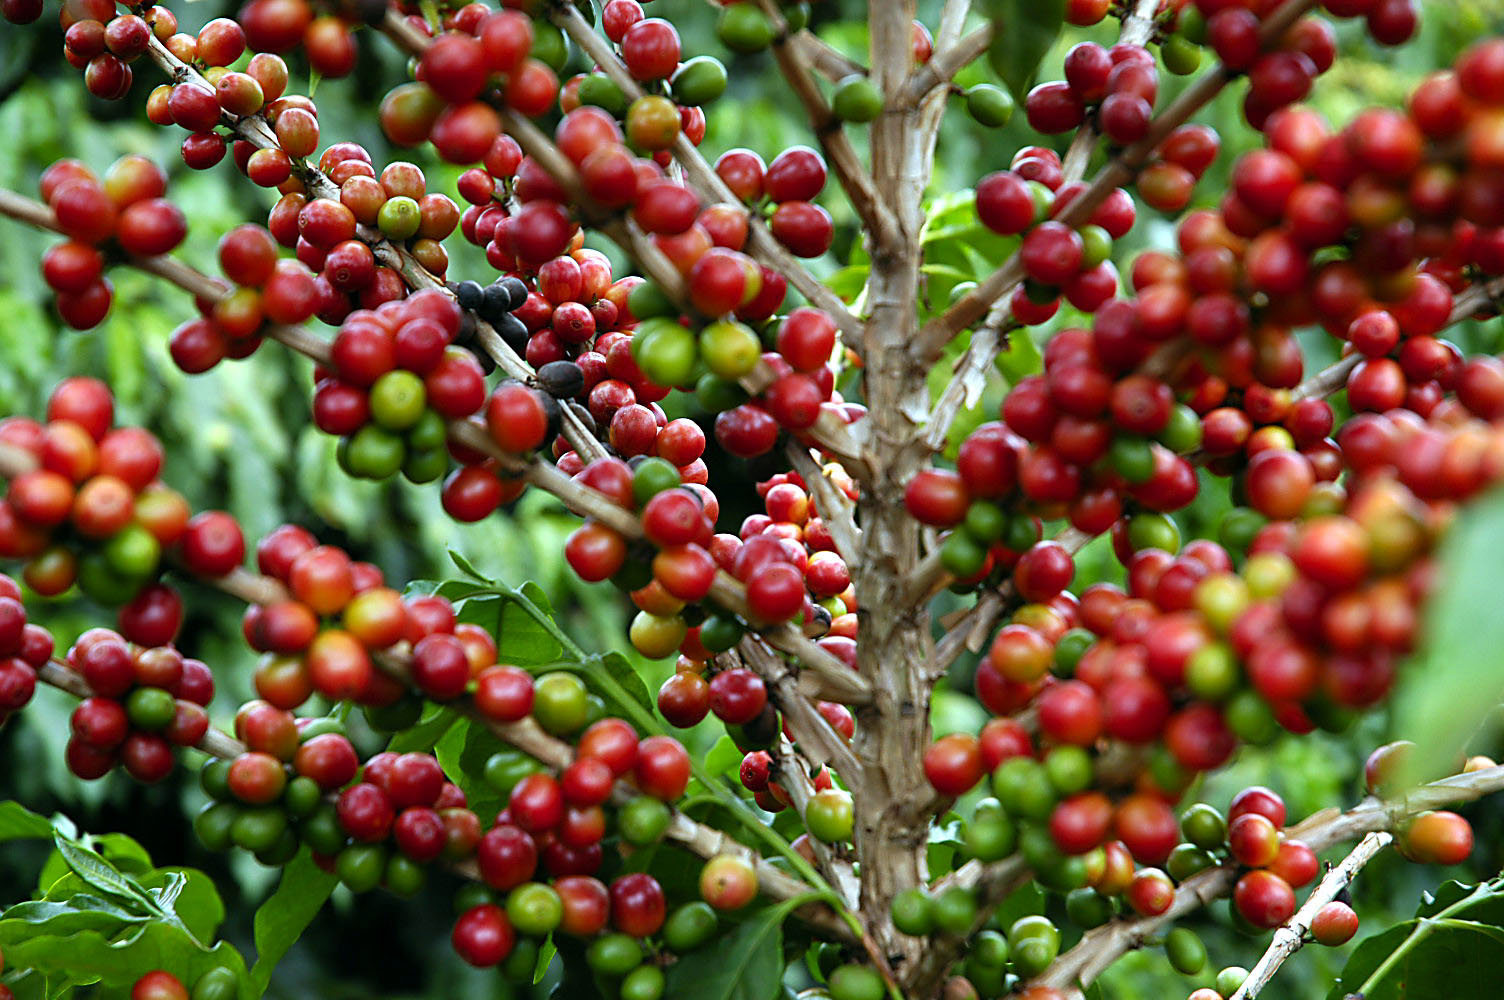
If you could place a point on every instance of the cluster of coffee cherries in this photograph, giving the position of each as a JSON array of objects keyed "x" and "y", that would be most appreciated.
[
  {"x": 201, "y": 103},
  {"x": 1273, "y": 865},
  {"x": 125, "y": 213},
  {"x": 1058, "y": 260},
  {"x": 785, "y": 190},
  {"x": 1282, "y": 72},
  {"x": 1118, "y": 86},
  {"x": 650, "y": 50},
  {"x": 338, "y": 617},
  {"x": 88, "y": 508},
  {"x": 394, "y": 381},
  {"x": 146, "y": 701},
  {"x": 1072, "y": 436},
  {"x": 325, "y": 233},
  {"x": 268, "y": 290},
  {"x": 325, "y": 35},
  {"x": 101, "y": 43},
  {"x": 284, "y": 789},
  {"x": 678, "y": 520},
  {"x": 25, "y": 646}
]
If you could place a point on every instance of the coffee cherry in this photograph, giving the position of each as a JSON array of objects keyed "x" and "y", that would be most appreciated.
[
  {"x": 1264, "y": 899},
  {"x": 1334, "y": 924},
  {"x": 1438, "y": 838},
  {"x": 483, "y": 936}
]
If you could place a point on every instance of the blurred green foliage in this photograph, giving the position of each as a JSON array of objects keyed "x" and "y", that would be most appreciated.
[{"x": 240, "y": 439}]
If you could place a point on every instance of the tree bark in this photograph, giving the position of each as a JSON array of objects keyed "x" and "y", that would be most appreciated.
[{"x": 893, "y": 731}]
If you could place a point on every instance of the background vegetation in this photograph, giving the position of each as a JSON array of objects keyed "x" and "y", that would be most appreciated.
[{"x": 240, "y": 439}]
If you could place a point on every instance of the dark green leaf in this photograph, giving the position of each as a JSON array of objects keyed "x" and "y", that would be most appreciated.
[
  {"x": 1022, "y": 32},
  {"x": 280, "y": 920},
  {"x": 1451, "y": 951},
  {"x": 437, "y": 720},
  {"x": 746, "y": 964}
]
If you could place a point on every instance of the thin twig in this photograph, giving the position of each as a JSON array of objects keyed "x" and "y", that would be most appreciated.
[
  {"x": 823, "y": 58},
  {"x": 817, "y": 738},
  {"x": 1334, "y": 376},
  {"x": 836, "y": 511},
  {"x": 1289, "y": 938}
]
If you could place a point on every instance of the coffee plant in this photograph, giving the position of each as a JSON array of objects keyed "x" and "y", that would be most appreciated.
[{"x": 960, "y": 439}]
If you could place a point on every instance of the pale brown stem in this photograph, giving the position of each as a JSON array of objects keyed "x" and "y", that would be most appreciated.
[
  {"x": 835, "y": 510},
  {"x": 891, "y": 817},
  {"x": 944, "y": 65},
  {"x": 818, "y": 740}
]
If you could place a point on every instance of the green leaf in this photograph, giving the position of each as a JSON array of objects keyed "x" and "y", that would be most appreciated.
[
  {"x": 522, "y": 639},
  {"x": 546, "y": 952},
  {"x": 724, "y": 757},
  {"x": 463, "y": 752},
  {"x": 88, "y": 865},
  {"x": 468, "y": 568},
  {"x": 1020, "y": 358},
  {"x": 19, "y": 823},
  {"x": 1450, "y": 951},
  {"x": 437, "y": 720},
  {"x": 1458, "y": 673},
  {"x": 280, "y": 920},
  {"x": 746, "y": 964},
  {"x": 1022, "y": 32},
  {"x": 93, "y": 956}
]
